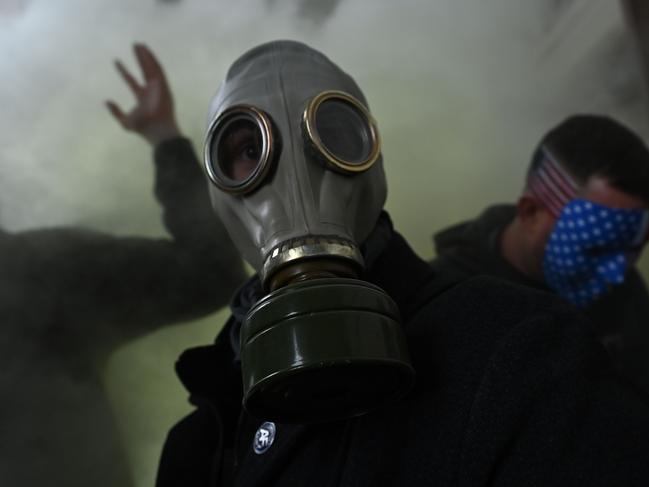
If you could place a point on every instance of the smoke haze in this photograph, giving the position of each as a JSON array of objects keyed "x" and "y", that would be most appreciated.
[{"x": 461, "y": 89}]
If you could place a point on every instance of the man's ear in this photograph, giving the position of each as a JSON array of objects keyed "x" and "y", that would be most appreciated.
[
  {"x": 535, "y": 221},
  {"x": 528, "y": 208}
]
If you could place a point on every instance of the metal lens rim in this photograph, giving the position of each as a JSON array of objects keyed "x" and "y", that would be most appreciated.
[
  {"x": 217, "y": 128},
  {"x": 311, "y": 130}
]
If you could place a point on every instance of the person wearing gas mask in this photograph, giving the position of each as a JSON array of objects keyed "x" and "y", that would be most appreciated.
[
  {"x": 577, "y": 230},
  {"x": 70, "y": 296},
  {"x": 346, "y": 361}
]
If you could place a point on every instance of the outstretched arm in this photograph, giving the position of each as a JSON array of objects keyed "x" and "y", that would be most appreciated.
[
  {"x": 69, "y": 285},
  {"x": 95, "y": 287},
  {"x": 180, "y": 185},
  {"x": 137, "y": 284}
]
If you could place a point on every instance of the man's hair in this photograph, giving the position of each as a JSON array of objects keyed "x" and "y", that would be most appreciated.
[{"x": 594, "y": 145}]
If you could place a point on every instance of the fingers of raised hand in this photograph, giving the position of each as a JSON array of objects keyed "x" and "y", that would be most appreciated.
[
  {"x": 117, "y": 112},
  {"x": 129, "y": 79},
  {"x": 150, "y": 66}
]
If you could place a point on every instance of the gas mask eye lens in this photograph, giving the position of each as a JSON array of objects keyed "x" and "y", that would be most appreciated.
[
  {"x": 239, "y": 149},
  {"x": 342, "y": 132}
]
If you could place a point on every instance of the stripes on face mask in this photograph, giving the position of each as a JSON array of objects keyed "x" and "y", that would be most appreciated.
[{"x": 551, "y": 184}]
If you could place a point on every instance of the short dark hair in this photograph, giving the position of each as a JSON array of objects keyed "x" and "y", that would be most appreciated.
[{"x": 595, "y": 145}]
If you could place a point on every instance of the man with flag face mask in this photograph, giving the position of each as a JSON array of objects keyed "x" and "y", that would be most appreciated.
[
  {"x": 347, "y": 360},
  {"x": 577, "y": 230}
]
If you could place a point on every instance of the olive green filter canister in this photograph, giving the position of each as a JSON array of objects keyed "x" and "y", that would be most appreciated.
[{"x": 322, "y": 350}]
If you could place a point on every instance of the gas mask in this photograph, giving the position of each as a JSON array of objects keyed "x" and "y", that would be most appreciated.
[{"x": 293, "y": 157}]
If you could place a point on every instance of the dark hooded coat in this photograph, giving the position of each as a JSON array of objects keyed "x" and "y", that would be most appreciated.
[
  {"x": 512, "y": 389},
  {"x": 620, "y": 318}
]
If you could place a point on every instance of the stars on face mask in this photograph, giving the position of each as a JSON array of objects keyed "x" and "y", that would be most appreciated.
[{"x": 585, "y": 254}]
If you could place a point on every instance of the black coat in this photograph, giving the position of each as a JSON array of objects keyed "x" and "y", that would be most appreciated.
[{"x": 512, "y": 389}]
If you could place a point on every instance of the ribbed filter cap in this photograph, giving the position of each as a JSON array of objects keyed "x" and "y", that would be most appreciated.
[{"x": 323, "y": 350}]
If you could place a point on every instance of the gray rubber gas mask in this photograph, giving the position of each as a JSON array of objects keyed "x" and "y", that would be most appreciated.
[{"x": 294, "y": 159}]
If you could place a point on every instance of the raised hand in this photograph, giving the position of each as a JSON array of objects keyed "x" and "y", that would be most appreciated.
[{"x": 153, "y": 116}]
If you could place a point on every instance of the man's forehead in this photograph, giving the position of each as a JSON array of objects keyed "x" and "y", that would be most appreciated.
[{"x": 599, "y": 190}]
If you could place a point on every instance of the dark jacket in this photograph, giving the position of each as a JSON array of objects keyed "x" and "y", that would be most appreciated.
[
  {"x": 512, "y": 389},
  {"x": 70, "y": 296},
  {"x": 620, "y": 318}
]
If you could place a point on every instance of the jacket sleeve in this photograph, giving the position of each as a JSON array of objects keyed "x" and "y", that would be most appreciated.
[{"x": 123, "y": 287}]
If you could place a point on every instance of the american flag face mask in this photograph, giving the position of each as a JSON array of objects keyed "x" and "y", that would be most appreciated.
[
  {"x": 591, "y": 245},
  {"x": 588, "y": 250}
]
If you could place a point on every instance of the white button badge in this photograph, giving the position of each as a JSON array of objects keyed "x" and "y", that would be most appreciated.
[{"x": 264, "y": 438}]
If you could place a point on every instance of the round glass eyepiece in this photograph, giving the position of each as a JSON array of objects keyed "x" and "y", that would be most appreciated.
[
  {"x": 239, "y": 149},
  {"x": 342, "y": 131}
]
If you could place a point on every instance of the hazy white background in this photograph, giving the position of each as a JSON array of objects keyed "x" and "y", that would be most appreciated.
[{"x": 461, "y": 89}]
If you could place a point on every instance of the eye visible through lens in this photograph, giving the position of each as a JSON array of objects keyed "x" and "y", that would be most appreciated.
[
  {"x": 344, "y": 131},
  {"x": 239, "y": 149}
]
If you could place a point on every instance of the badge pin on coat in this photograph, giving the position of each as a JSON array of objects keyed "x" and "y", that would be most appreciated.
[{"x": 264, "y": 438}]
